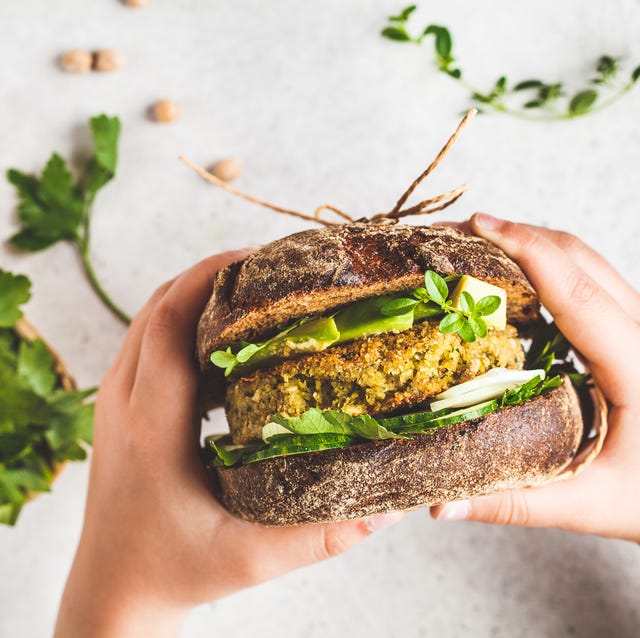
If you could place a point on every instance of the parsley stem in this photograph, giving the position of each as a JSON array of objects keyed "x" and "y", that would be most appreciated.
[
  {"x": 99, "y": 290},
  {"x": 83, "y": 246}
]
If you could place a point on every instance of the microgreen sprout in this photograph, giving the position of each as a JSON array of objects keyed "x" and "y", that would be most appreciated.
[{"x": 467, "y": 320}]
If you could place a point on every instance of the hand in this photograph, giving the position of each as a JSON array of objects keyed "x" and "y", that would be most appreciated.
[
  {"x": 155, "y": 542},
  {"x": 600, "y": 315}
]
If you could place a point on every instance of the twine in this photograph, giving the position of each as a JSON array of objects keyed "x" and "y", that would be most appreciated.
[{"x": 425, "y": 207}]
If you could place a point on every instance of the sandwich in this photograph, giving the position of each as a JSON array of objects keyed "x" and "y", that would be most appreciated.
[{"x": 369, "y": 367}]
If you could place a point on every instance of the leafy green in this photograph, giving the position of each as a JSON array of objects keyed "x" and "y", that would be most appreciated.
[
  {"x": 529, "y": 390},
  {"x": 551, "y": 351},
  {"x": 316, "y": 430},
  {"x": 41, "y": 423},
  {"x": 14, "y": 291},
  {"x": 54, "y": 207},
  {"x": 544, "y": 104}
]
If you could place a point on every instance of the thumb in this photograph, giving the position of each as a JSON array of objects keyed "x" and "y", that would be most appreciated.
[{"x": 503, "y": 508}]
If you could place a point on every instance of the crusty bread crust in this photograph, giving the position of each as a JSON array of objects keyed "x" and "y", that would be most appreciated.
[
  {"x": 517, "y": 446},
  {"x": 318, "y": 270}
]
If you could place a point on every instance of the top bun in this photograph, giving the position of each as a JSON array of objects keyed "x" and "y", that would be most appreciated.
[{"x": 318, "y": 270}]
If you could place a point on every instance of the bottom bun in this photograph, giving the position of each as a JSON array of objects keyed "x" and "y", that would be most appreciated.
[{"x": 517, "y": 446}]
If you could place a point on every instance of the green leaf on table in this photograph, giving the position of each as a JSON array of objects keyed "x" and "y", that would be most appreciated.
[
  {"x": 15, "y": 290},
  {"x": 582, "y": 102},
  {"x": 443, "y": 41},
  {"x": 50, "y": 207},
  {"x": 102, "y": 165},
  {"x": 525, "y": 85},
  {"x": 399, "y": 34},
  {"x": 404, "y": 15}
]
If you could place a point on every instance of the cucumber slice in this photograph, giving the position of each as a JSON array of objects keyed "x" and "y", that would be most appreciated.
[
  {"x": 467, "y": 414},
  {"x": 283, "y": 445},
  {"x": 395, "y": 422}
]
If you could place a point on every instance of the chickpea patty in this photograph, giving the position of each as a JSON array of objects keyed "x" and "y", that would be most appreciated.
[{"x": 381, "y": 374}]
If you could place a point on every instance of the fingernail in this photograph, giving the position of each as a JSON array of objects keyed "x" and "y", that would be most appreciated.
[
  {"x": 487, "y": 222},
  {"x": 376, "y": 523},
  {"x": 455, "y": 511}
]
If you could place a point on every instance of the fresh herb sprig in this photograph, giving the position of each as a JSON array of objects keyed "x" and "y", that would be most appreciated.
[
  {"x": 54, "y": 207},
  {"x": 467, "y": 321},
  {"x": 41, "y": 423},
  {"x": 543, "y": 101}
]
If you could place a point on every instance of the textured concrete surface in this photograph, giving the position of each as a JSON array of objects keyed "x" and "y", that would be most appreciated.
[{"x": 317, "y": 107}]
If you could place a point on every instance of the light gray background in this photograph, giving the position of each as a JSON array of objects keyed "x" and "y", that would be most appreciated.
[{"x": 317, "y": 107}]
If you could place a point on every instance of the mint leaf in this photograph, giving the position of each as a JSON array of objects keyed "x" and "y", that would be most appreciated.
[
  {"x": 14, "y": 291},
  {"x": 635, "y": 75}
]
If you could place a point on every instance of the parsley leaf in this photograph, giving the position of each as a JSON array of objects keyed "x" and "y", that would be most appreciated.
[
  {"x": 41, "y": 423},
  {"x": 14, "y": 291},
  {"x": 53, "y": 207}
]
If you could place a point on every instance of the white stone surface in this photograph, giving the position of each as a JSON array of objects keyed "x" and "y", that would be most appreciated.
[{"x": 317, "y": 107}]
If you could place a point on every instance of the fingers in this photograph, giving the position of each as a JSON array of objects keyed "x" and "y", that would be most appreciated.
[
  {"x": 166, "y": 375},
  {"x": 126, "y": 362},
  {"x": 271, "y": 551},
  {"x": 598, "y": 268},
  {"x": 582, "y": 504},
  {"x": 589, "y": 317}
]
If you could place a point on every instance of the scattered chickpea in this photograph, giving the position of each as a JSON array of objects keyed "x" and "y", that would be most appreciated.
[
  {"x": 107, "y": 60},
  {"x": 136, "y": 3},
  {"x": 76, "y": 61},
  {"x": 226, "y": 169},
  {"x": 166, "y": 111}
]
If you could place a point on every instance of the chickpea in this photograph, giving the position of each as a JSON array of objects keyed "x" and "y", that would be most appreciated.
[
  {"x": 166, "y": 111},
  {"x": 136, "y": 3},
  {"x": 76, "y": 61},
  {"x": 107, "y": 60},
  {"x": 226, "y": 169}
]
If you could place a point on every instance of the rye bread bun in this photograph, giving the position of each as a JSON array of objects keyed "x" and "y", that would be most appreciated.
[
  {"x": 517, "y": 446},
  {"x": 318, "y": 270}
]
